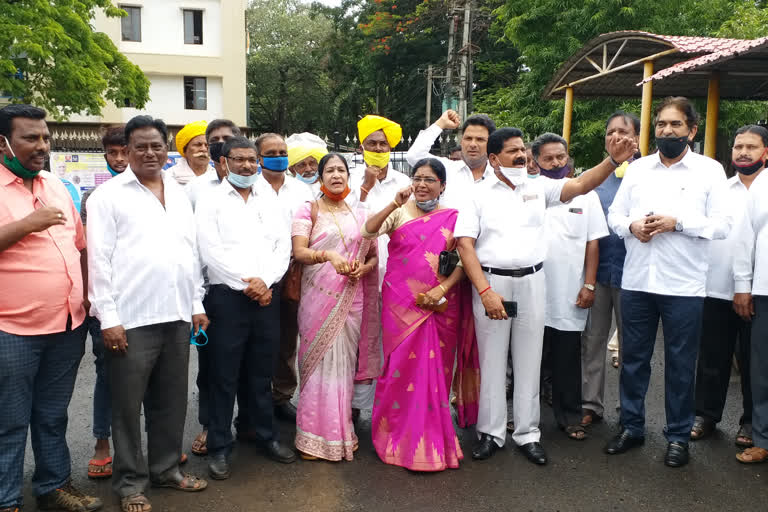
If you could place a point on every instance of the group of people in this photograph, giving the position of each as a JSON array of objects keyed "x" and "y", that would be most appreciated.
[{"x": 368, "y": 289}]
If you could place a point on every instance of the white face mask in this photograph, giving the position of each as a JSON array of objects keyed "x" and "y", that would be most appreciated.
[{"x": 515, "y": 175}]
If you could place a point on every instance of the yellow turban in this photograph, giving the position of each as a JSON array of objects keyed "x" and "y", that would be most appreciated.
[
  {"x": 302, "y": 145},
  {"x": 188, "y": 133},
  {"x": 370, "y": 124}
]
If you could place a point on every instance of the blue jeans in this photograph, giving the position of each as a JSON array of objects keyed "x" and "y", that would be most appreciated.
[
  {"x": 37, "y": 377},
  {"x": 102, "y": 403},
  {"x": 681, "y": 320}
]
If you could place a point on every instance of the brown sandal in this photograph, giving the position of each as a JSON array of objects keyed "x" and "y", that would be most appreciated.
[
  {"x": 135, "y": 503},
  {"x": 576, "y": 432},
  {"x": 753, "y": 455},
  {"x": 183, "y": 482},
  {"x": 744, "y": 436},
  {"x": 590, "y": 418},
  {"x": 200, "y": 444}
]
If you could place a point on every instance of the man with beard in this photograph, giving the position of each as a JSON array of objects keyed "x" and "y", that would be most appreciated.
[
  {"x": 193, "y": 148},
  {"x": 473, "y": 167},
  {"x": 667, "y": 209}
]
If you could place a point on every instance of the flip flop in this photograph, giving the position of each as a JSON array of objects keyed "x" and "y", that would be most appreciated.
[{"x": 106, "y": 468}]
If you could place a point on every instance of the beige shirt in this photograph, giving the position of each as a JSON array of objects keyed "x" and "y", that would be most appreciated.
[{"x": 397, "y": 218}]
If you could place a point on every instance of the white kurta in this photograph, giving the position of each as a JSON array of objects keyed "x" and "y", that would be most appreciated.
[{"x": 568, "y": 228}]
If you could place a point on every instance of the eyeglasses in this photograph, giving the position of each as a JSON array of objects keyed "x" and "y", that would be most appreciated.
[
  {"x": 240, "y": 160},
  {"x": 418, "y": 179}
]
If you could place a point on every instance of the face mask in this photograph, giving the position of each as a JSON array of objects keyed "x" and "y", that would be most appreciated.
[
  {"x": 427, "y": 206},
  {"x": 335, "y": 197},
  {"x": 380, "y": 160},
  {"x": 534, "y": 176},
  {"x": 241, "y": 181},
  {"x": 515, "y": 175},
  {"x": 671, "y": 147},
  {"x": 275, "y": 163},
  {"x": 556, "y": 173},
  {"x": 309, "y": 181},
  {"x": 215, "y": 148},
  {"x": 752, "y": 168},
  {"x": 15, "y": 166}
]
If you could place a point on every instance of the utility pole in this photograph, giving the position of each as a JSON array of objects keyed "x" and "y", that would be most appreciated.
[
  {"x": 450, "y": 62},
  {"x": 428, "y": 120},
  {"x": 464, "y": 61}
]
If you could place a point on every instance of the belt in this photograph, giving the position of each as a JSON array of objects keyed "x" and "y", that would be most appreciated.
[{"x": 514, "y": 272}]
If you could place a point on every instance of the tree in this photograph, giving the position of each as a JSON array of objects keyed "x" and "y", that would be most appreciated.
[{"x": 50, "y": 56}]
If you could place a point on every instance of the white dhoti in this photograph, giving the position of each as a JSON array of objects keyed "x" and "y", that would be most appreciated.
[{"x": 524, "y": 337}]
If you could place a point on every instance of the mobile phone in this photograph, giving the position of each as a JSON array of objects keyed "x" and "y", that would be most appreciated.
[{"x": 510, "y": 307}]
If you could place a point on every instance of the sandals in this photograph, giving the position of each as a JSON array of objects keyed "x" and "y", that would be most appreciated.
[
  {"x": 744, "y": 436},
  {"x": 702, "y": 428},
  {"x": 183, "y": 482},
  {"x": 200, "y": 444},
  {"x": 576, "y": 432},
  {"x": 306, "y": 456},
  {"x": 101, "y": 468},
  {"x": 615, "y": 361},
  {"x": 590, "y": 418},
  {"x": 135, "y": 503},
  {"x": 752, "y": 455},
  {"x": 510, "y": 426}
]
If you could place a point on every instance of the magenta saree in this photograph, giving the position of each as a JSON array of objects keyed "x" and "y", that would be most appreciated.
[{"x": 411, "y": 424}]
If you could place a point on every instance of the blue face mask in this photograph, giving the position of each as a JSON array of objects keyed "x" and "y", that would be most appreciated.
[
  {"x": 111, "y": 170},
  {"x": 532, "y": 176},
  {"x": 199, "y": 340},
  {"x": 239, "y": 181},
  {"x": 275, "y": 163},
  {"x": 312, "y": 179}
]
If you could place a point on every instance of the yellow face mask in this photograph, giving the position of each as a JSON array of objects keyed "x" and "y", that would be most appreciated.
[
  {"x": 620, "y": 170},
  {"x": 380, "y": 160}
]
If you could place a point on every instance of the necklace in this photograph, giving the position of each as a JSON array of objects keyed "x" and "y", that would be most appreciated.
[{"x": 332, "y": 209}]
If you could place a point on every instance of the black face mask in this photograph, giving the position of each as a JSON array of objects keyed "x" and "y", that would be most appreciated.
[
  {"x": 671, "y": 147},
  {"x": 215, "y": 149},
  {"x": 750, "y": 169}
]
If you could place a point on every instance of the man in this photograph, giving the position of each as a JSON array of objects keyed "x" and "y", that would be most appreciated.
[
  {"x": 304, "y": 153},
  {"x": 289, "y": 194},
  {"x": 572, "y": 231},
  {"x": 608, "y": 287},
  {"x": 455, "y": 154},
  {"x": 667, "y": 209},
  {"x": 193, "y": 148},
  {"x": 246, "y": 249},
  {"x": 146, "y": 289},
  {"x": 750, "y": 300},
  {"x": 217, "y": 133},
  {"x": 375, "y": 183},
  {"x": 474, "y": 165},
  {"x": 100, "y": 465},
  {"x": 42, "y": 330},
  {"x": 502, "y": 244},
  {"x": 530, "y": 165}
]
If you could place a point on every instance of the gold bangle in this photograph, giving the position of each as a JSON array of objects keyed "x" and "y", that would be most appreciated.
[
  {"x": 396, "y": 204},
  {"x": 365, "y": 189},
  {"x": 443, "y": 288}
]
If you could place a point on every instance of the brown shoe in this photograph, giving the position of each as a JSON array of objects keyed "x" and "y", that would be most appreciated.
[
  {"x": 69, "y": 498},
  {"x": 752, "y": 455}
]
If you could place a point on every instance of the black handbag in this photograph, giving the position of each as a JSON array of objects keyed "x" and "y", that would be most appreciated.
[{"x": 447, "y": 262}]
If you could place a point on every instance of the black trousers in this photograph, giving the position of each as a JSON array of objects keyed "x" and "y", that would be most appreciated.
[
  {"x": 721, "y": 327},
  {"x": 243, "y": 338},
  {"x": 563, "y": 350},
  {"x": 759, "y": 375}
]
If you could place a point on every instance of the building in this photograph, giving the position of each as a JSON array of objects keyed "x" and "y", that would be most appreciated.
[{"x": 192, "y": 51}]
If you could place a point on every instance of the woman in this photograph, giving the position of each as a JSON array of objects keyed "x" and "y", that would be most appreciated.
[
  {"x": 338, "y": 315},
  {"x": 411, "y": 423}
]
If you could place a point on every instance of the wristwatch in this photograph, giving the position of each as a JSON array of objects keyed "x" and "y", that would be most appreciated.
[
  {"x": 589, "y": 287},
  {"x": 678, "y": 226}
]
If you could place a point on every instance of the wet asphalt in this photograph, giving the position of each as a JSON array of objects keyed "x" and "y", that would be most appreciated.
[{"x": 579, "y": 476}]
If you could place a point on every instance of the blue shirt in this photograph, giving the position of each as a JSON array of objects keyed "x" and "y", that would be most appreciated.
[{"x": 612, "y": 249}]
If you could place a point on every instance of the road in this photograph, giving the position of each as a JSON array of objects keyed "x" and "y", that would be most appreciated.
[{"x": 579, "y": 477}]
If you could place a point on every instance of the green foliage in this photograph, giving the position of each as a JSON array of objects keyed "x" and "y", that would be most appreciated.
[{"x": 67, "y": 68}]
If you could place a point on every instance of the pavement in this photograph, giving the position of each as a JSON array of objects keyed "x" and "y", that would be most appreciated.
[{"x": 579, "y": 477}]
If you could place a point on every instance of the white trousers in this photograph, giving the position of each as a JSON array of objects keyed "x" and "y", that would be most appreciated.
[{"x": 524, "y": 336}]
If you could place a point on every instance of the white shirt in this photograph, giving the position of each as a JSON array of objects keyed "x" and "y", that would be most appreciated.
[
  {"x": 508, "y": 224},
  {"x": 240, "y": 239},
  {"x": 459, "y": 178},
  {"x": 568, "y": 228},
  {"x": 720, "y": 271},
  {"x": 382, "y": 193},
  {"x": 750, "y": 262},
  {"x": 143, "y": 263},
  {"x": 291, "y": 195},
  {"x": 691, "y": 191},
  {"x": 202, "y": 185},
  {"x": 182, "y": 172}
]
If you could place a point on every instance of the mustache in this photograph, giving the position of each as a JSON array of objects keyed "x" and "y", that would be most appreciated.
[
  {"x": 519, "y": 161},
  {"x": 201, "y": 154}
]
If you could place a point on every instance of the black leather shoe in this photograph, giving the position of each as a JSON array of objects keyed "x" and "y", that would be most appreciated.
[
  {"x": 623, "y": 442},
  {"x": 677, "y": 454},
  {"x": 218, "y": 468},
  {"x": 285, "y": 411},
  {"x": 279, "y": 452},
  {"x": 535, "y": 452},
  {"x": 484, "y": 448}
]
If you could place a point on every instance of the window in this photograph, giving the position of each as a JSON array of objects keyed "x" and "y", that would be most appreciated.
[
  {"x": 193, "y": 26},
  {"x": 131, "y": 24},
  {"x": 195, "y": 93}
]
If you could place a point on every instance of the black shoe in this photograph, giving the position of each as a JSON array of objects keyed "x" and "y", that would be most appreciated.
[
  {"x": 484, "y": 448},
  {"x": 279, "y": 452},
  {"x": 623, "y": 442},
  {"x": 677, "y": 454},
  {"x": 535, "y": 452},
  {"x": 285, "y": 411},
  {"x": 218, "y": 468}
]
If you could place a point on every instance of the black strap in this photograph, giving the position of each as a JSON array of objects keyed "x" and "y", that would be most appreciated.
[{"x": 514, "y": 272}]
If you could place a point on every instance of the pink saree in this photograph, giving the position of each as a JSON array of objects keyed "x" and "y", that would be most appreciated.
[
  {"x": 338, "y": 327},
  {"x": 412, "y": 425}
]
